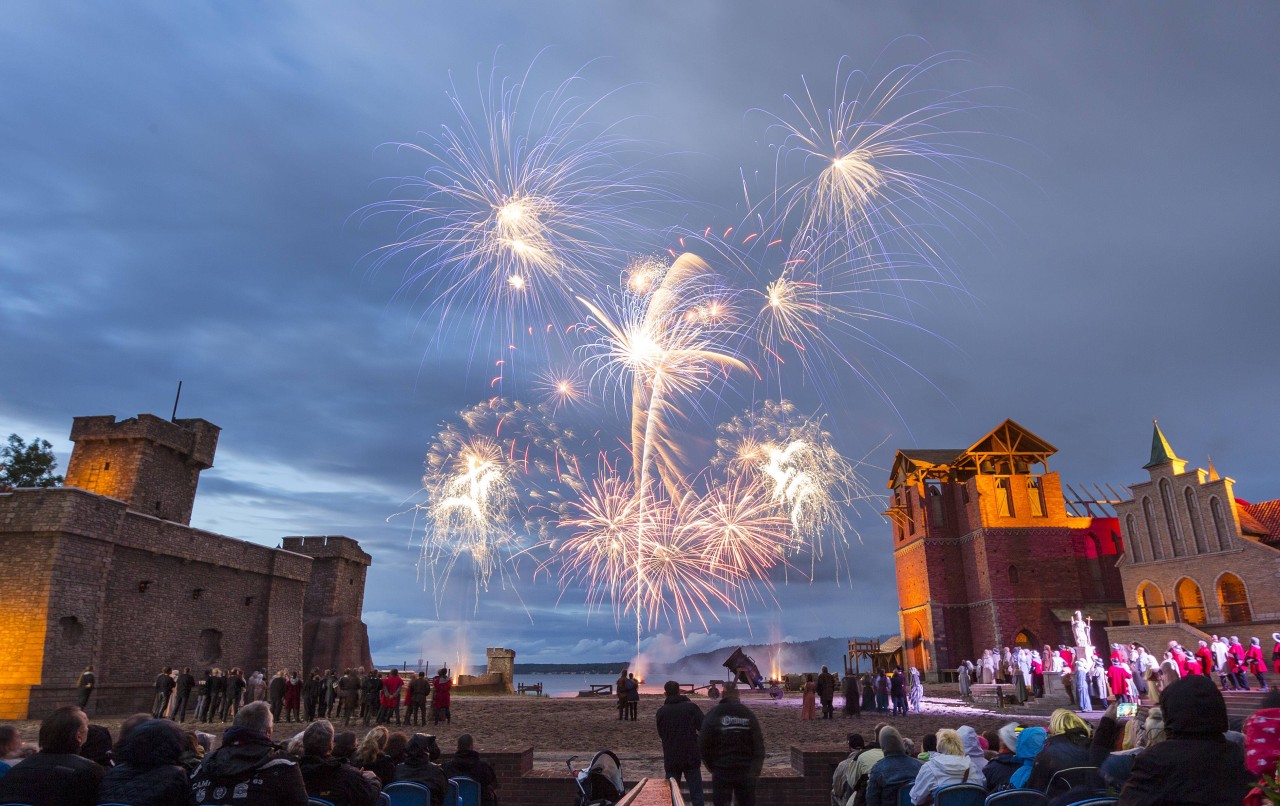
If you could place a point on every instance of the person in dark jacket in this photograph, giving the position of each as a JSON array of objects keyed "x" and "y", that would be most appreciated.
[
  {"x": 217, "y": 694},
  {"x": 85, "y": 686},
  {"x": 97, "y": 747},
  {"x": 419, "y": 688},
  {"x": 331, "y": 778},
  {"x": 275, "y": 694},
  {"x": 1001, "y": 768},
  {"x": 467, "y": 762},
  {"x": 827, "y": 692},
  {"x": 633, "y": 697},
  {"x": 248, "y": 770},
  {"x": 164, "y": 687},
  {"x": 892, "y": 773},
  {"x": 235, "y": 687},
  {"x": 1067, "y": 747},
  {"x": 148, "y": 771},
  {"x": 56, "y": 776},
  {"x": 182, "y": 691},
  {"x": 732, "y": 746},
  {"x": 1195, "y": 763},
  {"x": 419, "y": 766},
  {"x": 679, "y": 721},
  {"x": 898, "y": 692},
  {"x": 849, "y": 687}
]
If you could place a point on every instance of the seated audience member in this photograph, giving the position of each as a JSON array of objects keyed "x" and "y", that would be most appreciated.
[
  {"x": 839, "y": 788},
  {"x": 97, "y": 747},
  {"x": 396, "y": 746},
  {"x": 1001, "y": 768},
  {"x": 1139, "y": 735},
  {"x": 148, "y": 769},
  {"x": 344, "y": 745},
  {"x": 1066, "y": 747},
  {"x": 192, "y": 752},
  {"x": 894, "y": 772},
  {"x": 372, "y": 755},
  {"x": 330, "y": 778},
  {"x": 248, "y": 770},
  {"x": 467, "y": 762},
  {"x": 10, "y": 741},
  {"x": 57, "y": 775},
  {"x": 990, "y": 744},
  {"x": 860, "y": 769},
  {"x": 973, "y": 747},
  {"x": 419, "y": 766},
  {"x": 928, "y": 746},
  {"x": 949, "y": 765},
  {"x": 1194, "y": 763},
  {"x": 1030, "y": 743}
]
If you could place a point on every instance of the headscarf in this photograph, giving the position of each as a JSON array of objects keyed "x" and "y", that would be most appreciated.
[
  {"x": 972, "y": 748},
  {"x": 1030, "y": 743}
]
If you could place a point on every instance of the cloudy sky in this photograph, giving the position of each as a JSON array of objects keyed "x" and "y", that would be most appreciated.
[{"x": 179, "y": 186}]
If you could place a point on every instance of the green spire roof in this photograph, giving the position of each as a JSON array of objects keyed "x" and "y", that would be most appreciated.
[{"x": 1160, "y": 450}]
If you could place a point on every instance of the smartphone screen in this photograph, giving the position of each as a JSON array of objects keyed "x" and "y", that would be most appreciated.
[{"x": 1126, "y": 710}]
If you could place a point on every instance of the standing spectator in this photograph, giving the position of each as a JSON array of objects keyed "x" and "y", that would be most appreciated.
[
  {"x": 349, "y": 689},
  {"x": 311, "y": 685},
  {"x": 371, "y": 701},
  {"x": 164, "y": 685},
  {"x": 292, "y": 698},
  {"x": 949, "y": 765},
  {"x": 440, "y": 697},
  {"x": 893, "y": 773},
  {"x": 827, "y": 693},
  {"x": 732, "y": 746},
  {"x": 849, "y": 689},
  {"x": 148, "y": 771},
  {"x": 217, "y": 694},
  {"x": 420, "y": 767},
  {"x": 1195, "y": 763},
  {"x": 620, "y": 691},
  {"x": 392, "y": 693},
  {"x": 467, "y": 762},
  {"x": 882, "y": 691},
  {"x": 56, "y": 776},
  {"x": 85, "y": 686},
  {"x": 808, "y": 704},
  {"x": 633, "y": 697},
  {"x": 898, "y": 691},
  {"x": 679, "y": 721},
  {"x": 235, "y": 692},
  {"x": 248, "y": 770},
  {"x": 1067, "y": 746},
  {"x": 418, "y": 690},
  {"x": 182, "y": 693},
  {"x": 275, "y": 694},
  {"x": 330, "y": 778},
  {"x": 330, "y": 697}
]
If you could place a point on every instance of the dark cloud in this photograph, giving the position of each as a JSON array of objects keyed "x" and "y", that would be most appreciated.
[{"x": 177, "y": 190}]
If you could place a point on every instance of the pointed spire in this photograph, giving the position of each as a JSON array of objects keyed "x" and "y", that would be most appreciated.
[
  {"x": 1213, "y": 473},
  {"x": 1160, "y": 450}
]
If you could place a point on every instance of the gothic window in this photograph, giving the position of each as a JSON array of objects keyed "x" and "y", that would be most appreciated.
[
  {"x": 911, "y": 512},
  {"x": 1197, "y": 525},
  {"x": 1157, "y": 550},
  {"x": 1013, "y": 575},
  {"x": 1190, "y": 601},
  {"x": 1025, "y": 639},
  {"x": 1219, "y": 524},
  {"x": 1035, "y": 494},
  {"x": 1233, "y": 599},
  {"x": 937, "y": 519},
  {"x": 1004, "y": 498},
  {"x": 1151, "y": 609},
  {"x": 1171, "y": 518},
  {"x": 1131, "y": 526}
]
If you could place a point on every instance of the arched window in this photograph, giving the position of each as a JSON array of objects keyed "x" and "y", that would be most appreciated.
[
  {"x": 1151, "y": 608},
  {"x": 1171, "y": 518},
  {"x": 911, "y": 512},
  {"x": 937, "y": 517},
  {"x": 1131, "y": 532},
  {"x": 919, "y": 650},
  {"x": 1025, "y": 639},
  {"x": 1035, "y": 496},
  {"x": 1197, "y": 525},
  {"x": 1013, "y": 575},
  {"x": 1233, "y": 599},
  {"x": 1153, "y": 534},
  {"x": 1219, "y": 524},
  {"x": 1190, "y": 601}
]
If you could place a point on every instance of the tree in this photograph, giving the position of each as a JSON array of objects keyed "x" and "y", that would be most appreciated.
[{"x": 23, "y": 465}]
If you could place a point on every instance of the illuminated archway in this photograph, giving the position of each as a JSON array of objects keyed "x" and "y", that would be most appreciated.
[
  {"x": 1151, "y": 604},
  {"x": 1233, "y": 598},
  {"x": 1190, "y": 601}
]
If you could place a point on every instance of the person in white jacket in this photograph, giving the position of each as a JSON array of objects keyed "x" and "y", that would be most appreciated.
[{"x": 949, "y": 765}]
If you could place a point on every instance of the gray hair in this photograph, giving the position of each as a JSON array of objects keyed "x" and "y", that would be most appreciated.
[
  {"x": 891, "y": 740},
  {"x": 1009, "y": 736},
  {"x": 255, "y": 716},
  {"x": 317, "y": 739}
]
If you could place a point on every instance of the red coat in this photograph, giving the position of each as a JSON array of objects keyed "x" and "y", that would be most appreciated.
[
  {"x": 1235, "y": 658},
  {"x": 292, "y": 694},
  {"x": 392, "y": 691},
  {"x": 1118, "y": 676},
  {"x": 1253, "y": 656},
  {"x": 1206, "y": 658},
  {"x": 440, "y": 692},
  {"x": 1068, "y": 657}
]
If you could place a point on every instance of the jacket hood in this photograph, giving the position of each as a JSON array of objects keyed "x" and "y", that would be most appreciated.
[
  {"x": 311, "y": 764},
  {"x": 157, "y": 741},
  {"x": 955, "y": 765},
  {"x": 972, "y": 748},
  {"x": 242, "y": 750},
  {"x": 1193, "y": 707},
  {"x": 672, "y": 699}
]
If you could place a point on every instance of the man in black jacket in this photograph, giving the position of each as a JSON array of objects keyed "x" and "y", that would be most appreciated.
[
  {"x": 182, "y": 692},
  {"x": 732, "y": 746},
  {"x": 419, "y": 688},
  {"x": 827, "y": 692},
  {"x": 1195, "y": 763},
  {"x": 248, "y": 770},
  {"x": 330, "y": 778},
  {"x": 419, "y": 766},
  {"x": 679, "y": 721},
  {"x": 275, "y": 694},
  {"x": 467, "y": 763},
  {"x": 85, "y": 686},
  {"x": 56, "y": 776},
  {"x": 164, "y": 686}
]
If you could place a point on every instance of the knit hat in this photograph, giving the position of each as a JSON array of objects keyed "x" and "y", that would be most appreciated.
[{"x": 1193, "y": 706}]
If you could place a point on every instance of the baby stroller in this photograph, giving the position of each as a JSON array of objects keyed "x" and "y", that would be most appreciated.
[{"x": 600, "y": 784}]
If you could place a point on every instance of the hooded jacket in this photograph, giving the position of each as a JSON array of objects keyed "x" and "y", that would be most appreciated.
[
  {"x": 419, "y": 769},
  {"x": 999, "y": 771},
  {"x": 679, "y": 721},
  {"x": 731, "y": 741},
  {"x": 1061, "y": 752},
  {"x": 1195, "y": 763},
  {"x": 52, "y": 779},
  {"x": 248, "y": 770},
  {"x": 334, "y": 780},
  {"x": 940, "y": 770},
  {"x": 149, "y": 772},
  {"x": 469, "y": 764}
]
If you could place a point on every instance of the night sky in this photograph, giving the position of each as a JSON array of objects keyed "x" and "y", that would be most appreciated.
[{"x": 180, "y": 187}]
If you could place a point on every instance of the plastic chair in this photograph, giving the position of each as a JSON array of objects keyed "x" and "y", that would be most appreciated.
[
  {"x": 451, "y": 794},
  {"x": 384, "y": 799},
  {"x": 1075, "y": 778},
  {"x": 1017, "y": 797},
  {"x": 960, "y": 795},
  {"x": 407, "y": 793},
  {"x": 319, "y": 802},
  {"x": 904, "y": 795},
  {"x": 1096, "y": 802},
  {"x": 468, "y": 790}
]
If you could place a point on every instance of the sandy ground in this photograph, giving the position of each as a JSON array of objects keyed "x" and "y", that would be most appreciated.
[{"x": 561, "y": 727}]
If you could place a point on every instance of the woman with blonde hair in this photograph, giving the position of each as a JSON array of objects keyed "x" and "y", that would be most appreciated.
[
  {"x": 371, "y": 755},
  {"x": 949, "y": 765},
  {"x": 1066, "y": 747}
]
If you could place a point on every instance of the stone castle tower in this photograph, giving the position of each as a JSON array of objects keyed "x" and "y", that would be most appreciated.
[{"x": 333, "y": 634}]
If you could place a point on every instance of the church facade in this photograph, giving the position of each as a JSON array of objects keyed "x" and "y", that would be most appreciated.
[{"x": 986, "y": 554}]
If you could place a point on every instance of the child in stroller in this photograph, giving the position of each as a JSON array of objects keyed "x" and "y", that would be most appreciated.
[{"x": 600, "y": 784}]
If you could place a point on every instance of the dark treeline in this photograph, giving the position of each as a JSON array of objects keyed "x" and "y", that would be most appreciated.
[{"x": 570, "y": 668}]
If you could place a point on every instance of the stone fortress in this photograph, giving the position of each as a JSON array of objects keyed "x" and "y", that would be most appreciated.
[{"x": 108, "y": 571}]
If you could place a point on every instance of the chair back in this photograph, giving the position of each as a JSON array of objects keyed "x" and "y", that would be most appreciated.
[
  {"x": 384, "y": 799},
  {"x": 960, "y": 795},
  {"x": 1018, "y": 797},
  {"x": 451, "y": 794},
  {"x": 904, "y": 796},
  {"x": 407, "y": 793},
  {"x": 468, "y": 790},
  {"x": 1075, "y": 778},
  {"x": 319, "y": 802},
  {"x": 1097, "y": 802}
]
